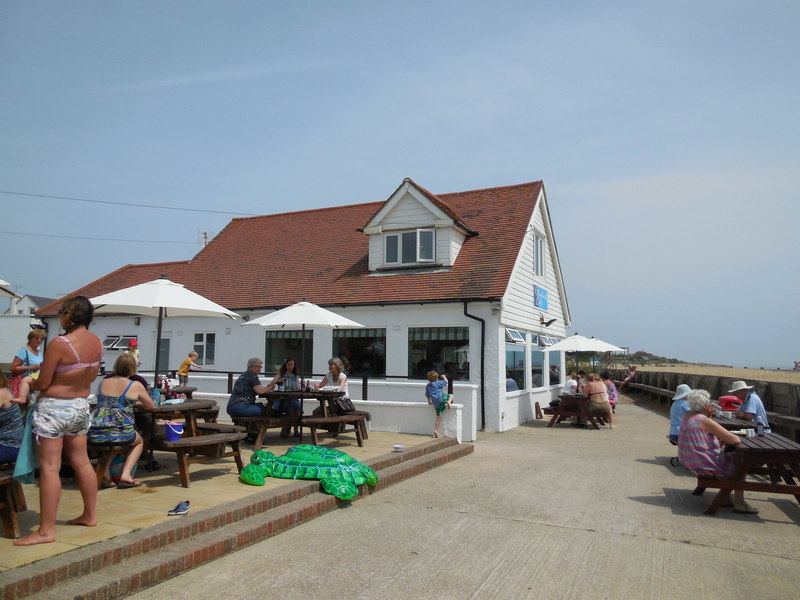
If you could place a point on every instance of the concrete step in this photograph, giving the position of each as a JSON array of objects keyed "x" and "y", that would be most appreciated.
[{"x": 137, "y": 560}]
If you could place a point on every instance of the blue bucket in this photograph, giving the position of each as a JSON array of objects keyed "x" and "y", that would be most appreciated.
[{"x": 173, "y": 431}]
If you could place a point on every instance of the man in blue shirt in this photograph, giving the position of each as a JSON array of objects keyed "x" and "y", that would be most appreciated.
[
  {"x": 679, "y": 408},
  {"x": 752, "y": 408}
]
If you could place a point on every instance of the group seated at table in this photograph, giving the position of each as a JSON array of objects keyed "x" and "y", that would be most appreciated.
[{"x": 700, "y": 449}]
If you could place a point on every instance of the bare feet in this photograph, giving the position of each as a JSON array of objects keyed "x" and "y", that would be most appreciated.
[
  {"x": 34, "y": 538},
  {"x": 82, "y": 520},
  {"x": 435, "y": 434}
]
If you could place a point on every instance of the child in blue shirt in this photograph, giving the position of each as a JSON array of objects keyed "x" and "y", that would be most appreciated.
[{"x": 439, "y": 400}]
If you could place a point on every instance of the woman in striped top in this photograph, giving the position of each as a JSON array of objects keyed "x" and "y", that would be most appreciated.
[
  {"x": 699, "y": 448},
  {"x": 10, "y": 424}
]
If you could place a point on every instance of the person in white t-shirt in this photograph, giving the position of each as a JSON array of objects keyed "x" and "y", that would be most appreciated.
[{"x": 570, "y": 385}]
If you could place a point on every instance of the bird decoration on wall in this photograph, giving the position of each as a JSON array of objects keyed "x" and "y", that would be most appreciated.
[{"x": 545, "y": 323}]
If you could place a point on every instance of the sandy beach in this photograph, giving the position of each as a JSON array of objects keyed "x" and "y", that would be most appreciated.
[{"x": 746, "y": 374}]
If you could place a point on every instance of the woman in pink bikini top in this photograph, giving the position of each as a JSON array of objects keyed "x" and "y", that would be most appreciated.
[{"x": 60, "y": 419}]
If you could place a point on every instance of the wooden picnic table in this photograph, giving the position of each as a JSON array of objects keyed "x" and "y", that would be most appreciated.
[
  {"x": 328, "y": 418},
  {"x": 572, "y": 405},
  {"x": 769, "y": 456},
  {"x": 196, "y": 444},
  {"x": 731, "y": 423},
  {"x": 259, "y": 425}
]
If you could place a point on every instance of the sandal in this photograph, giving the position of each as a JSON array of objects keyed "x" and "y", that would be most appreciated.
[
  {"x": 124, "y": 485},
  {"x": 745, "y": 509}
]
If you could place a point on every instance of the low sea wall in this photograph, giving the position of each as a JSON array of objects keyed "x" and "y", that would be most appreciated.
[{"x": 781, "y": 399}]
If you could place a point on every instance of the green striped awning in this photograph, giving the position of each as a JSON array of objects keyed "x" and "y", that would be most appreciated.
[
  {"x": 360, "y": 333},
  {"x": 437, "y": 333},
  {"x": 287, "y": 334}
]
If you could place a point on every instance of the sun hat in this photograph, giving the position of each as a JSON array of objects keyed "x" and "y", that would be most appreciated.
[
  {"x": 739, "y": 385},
  {"x": 681, "y": 391}
]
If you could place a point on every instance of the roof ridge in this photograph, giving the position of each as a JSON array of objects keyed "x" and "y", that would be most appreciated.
[{"x": 308, "y": 210}]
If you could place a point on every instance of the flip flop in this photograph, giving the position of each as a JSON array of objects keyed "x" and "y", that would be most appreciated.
[{"x": 124, "y": 485}]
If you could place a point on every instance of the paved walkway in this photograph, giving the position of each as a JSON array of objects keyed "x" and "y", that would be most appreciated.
[{"x": 534, "y": 513}]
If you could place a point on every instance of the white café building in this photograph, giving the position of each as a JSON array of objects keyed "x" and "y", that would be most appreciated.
[{"x": 465, "y": 283}]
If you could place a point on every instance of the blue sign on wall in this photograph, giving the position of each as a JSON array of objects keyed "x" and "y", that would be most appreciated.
[{"x": 540, "y": 297}]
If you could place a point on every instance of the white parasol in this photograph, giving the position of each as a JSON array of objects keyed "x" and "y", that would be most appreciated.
[
  {"x": 304, "y": 314},
  {"x": 579, "y": 343},
  {"x": 160, "y": 298}
]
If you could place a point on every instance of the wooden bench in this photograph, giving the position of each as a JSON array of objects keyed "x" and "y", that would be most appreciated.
[
  {"x": 654, "y": 392},
  {"x": 12, "y": 501},
  {"x": 335, "y": 425},
  {"x": 259, "y": 426},
  {"x": 202, "y": 448},
  {"x": 754, "y": 486},
  {"x": 207, "y": 428},
  {"x": 362, "y": 424}
]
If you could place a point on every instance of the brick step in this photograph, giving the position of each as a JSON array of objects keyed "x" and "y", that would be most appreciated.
[{"x": 134, "y": 561}]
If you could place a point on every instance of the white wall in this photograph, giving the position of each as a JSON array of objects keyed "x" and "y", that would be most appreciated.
[
  {"x": 14, "y": 330},
  {"x": 235, "y": 344}
]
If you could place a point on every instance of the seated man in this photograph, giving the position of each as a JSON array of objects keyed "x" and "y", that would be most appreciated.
[
  {"x": 752, "y": 409},
  {"x": 570, "y": 385},
  {"x": 679, "y": 408}
]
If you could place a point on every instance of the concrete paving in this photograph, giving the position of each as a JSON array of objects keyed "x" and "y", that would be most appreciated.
[{"x": 535, "y": 512}]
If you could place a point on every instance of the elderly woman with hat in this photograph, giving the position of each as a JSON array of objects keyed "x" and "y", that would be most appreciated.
[
  {"x": 752, "y": 409},
  {"x": 700, "y": 449},
  {"x": 679, "y": 408}
]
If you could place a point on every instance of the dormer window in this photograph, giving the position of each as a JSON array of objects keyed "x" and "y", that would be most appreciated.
[{"x": 409, "y": 247}]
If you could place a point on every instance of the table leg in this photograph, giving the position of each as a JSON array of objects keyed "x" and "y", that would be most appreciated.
[
  {"x": 262, "y": 431},
  {"x": 795, "y": 467},
  {"x": 724, "y": 494},
  {"x": 150, "y": 461}
]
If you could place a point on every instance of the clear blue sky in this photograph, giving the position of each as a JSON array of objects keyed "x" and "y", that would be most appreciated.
[{"x": 666, "y": 134}]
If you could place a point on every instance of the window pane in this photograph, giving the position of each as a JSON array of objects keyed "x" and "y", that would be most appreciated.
[
  {"x": 211, "y": 345},
  {"x": 284, "y": 344},
  {"x": 441, "y": 349},
  {"x": 555, "y": 368},
  {"x": 538, "y": 256},
  {"x": 364, "y": 350},
  {"x": 426, "y": 245},
  {"x": 391, "y": 248},
  {"x": 515, "y": 367},
  {"x": 110, "y": 341},
  {"x": 537, "y": 360},
  {"x": 409, "y": 247}
]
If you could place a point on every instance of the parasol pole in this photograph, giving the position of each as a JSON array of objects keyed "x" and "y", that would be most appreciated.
[
  {"x": 158, "y": 344},
  {"x": 302, "y": 353}
]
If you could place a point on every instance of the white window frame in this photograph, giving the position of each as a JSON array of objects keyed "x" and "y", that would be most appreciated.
[
  {"x": 538, "y": 255},
  {"x": 398, "y": 236},
  {"x": 514, "y": 336},
  {"x": 203, "y": 358},
  {"x": 117, "y": 341}
]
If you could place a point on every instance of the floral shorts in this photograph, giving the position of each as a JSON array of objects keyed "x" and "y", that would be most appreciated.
[{"x": 56, "y": 417}]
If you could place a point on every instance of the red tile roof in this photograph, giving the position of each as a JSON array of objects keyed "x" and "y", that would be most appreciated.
[{"x": 318, "y": 255}]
